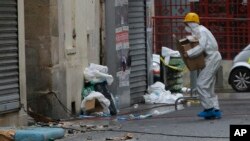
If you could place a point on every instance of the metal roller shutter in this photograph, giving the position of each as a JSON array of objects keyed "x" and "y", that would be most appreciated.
[
  {"x": 138, "y": 49},
  {"x": 9, "y": 69}
]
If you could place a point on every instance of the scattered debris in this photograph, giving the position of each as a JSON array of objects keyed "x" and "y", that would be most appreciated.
[
  {"x": 186, "y": 90},
  {"x": 70, "y": 131},
  {"x": 89, "y": 138},
  {"x": 40, "y": 118},
  {"x": 131, "y": 116},
  {"x": 127, "y": 136},
  {"x": 136, "y": 106}
]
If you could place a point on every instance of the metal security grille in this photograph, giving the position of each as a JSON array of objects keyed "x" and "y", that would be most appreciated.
[
  {"x": 228, "y": 20},
  {"x": 138, "y": 49},
  {"x": 9, "y": 70},
  {"x": 231, "y": 23}
]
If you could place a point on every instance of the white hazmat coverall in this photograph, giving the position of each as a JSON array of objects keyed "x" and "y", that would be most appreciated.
[{"x": 207, "y": 76}]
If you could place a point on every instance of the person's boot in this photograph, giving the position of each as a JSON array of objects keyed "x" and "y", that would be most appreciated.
[
  {"x": 208, "y": 113},
  {"x": 217, "y": 113}
]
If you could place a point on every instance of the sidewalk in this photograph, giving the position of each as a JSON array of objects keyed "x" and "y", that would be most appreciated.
[
  {"x": 149, "y": 108},
  {"x": 235, "y": 107},
  {"x": 176, "y": 125}
]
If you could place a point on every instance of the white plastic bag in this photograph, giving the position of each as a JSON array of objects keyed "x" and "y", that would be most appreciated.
[
  {"x": 158, "y": 94},
  {"x": 97, "y": 73},
  {"x": 100, "y": 97},
  {"x": 100, "y": 68},
  {"x": 165, "y": 51},
  {"x": 156, "y": 86}
]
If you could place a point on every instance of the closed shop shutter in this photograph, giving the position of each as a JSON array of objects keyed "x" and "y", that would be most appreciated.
[
  {"x": 9, "y": 69},
  {"x": 138, "y": 49}
]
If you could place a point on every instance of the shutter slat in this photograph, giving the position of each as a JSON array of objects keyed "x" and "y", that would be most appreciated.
[
  {"x": 138, "y": 51},
  {"x": 9, "y": 69}
]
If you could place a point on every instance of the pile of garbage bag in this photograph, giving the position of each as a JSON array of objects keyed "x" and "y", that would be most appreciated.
[
  {"x": 175, "y": 67},
  {"x": 174, "y": 81},
  {"x": 158, "y": 94},
  {"x": 95, "y": 91},
  {"x": 172, "y": 59}
]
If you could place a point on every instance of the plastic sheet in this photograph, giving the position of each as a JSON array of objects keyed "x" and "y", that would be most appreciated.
[{"x": 158, "y": 94}]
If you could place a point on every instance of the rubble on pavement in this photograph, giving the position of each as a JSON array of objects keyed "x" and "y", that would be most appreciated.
[{"x": 125, "y": 137}]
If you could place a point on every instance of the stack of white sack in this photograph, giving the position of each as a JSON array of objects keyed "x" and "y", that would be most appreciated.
[
  {"x": 100, "y": 97},
  {"x": 167, "y": 53},
  {"x": 158, "y": 94},
  {"x": 97, "y": 73}
]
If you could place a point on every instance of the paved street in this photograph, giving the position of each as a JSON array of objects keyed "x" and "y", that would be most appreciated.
[{"x": 181, "y": 125}]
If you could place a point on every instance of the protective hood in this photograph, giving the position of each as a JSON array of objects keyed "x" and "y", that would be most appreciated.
[
  {"x": 192, "y": 25},
  {"x": 194, "y": 29}
]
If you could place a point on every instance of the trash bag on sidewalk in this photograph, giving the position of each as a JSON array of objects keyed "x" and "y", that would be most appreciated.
[
  {"x": 104, "y": 102},
  {"x": 173, "y": 69},
  {"x": 103, "y": 88},
  {"x": 97, "y": 73},
  {"x": 97, "y": 79},
  {"x": 174, "y": 80},
  {"x": 158, "y": 94}
]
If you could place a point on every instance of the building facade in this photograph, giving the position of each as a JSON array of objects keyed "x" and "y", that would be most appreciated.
[{"x": 62, "y": 37}]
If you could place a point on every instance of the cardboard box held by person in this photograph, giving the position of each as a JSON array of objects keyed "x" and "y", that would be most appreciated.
[{"x": 194, "y": 63}]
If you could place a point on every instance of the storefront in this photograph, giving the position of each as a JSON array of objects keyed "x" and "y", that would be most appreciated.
[
  {"x": 126, "y": 49},
  {"x": 138, "y": 49},
  {"x": 12, "y": 64}
]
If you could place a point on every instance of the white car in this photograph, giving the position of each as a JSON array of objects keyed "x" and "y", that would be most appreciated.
[{"x": 239, "y": 77}]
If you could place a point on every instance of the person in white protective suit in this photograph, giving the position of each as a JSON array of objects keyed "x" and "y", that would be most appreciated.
[{"x": 207, "y": 76}]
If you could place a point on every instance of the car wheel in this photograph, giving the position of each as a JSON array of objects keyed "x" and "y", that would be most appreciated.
[{"x": 240, "y": 79}]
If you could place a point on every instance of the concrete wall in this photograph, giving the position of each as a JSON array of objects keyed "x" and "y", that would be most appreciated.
[
  {"x": 226, "y": 67},
  {"x": 42, "y": 55},
  {"x": 62, "y": 38},
  {"x": 222, "y": 77},
  {"x": 19, "y": 118}
]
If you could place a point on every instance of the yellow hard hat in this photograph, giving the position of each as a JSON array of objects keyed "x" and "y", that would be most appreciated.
[{"x": 192, "y": 17}]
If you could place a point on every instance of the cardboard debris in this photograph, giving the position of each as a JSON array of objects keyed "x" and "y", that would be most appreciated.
[
  {"x": 195, "y": 63},
  {"x": 93, "y": 105},
  {"x": 7, "y": 135},
  {"x": 39, "y": 118}
]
